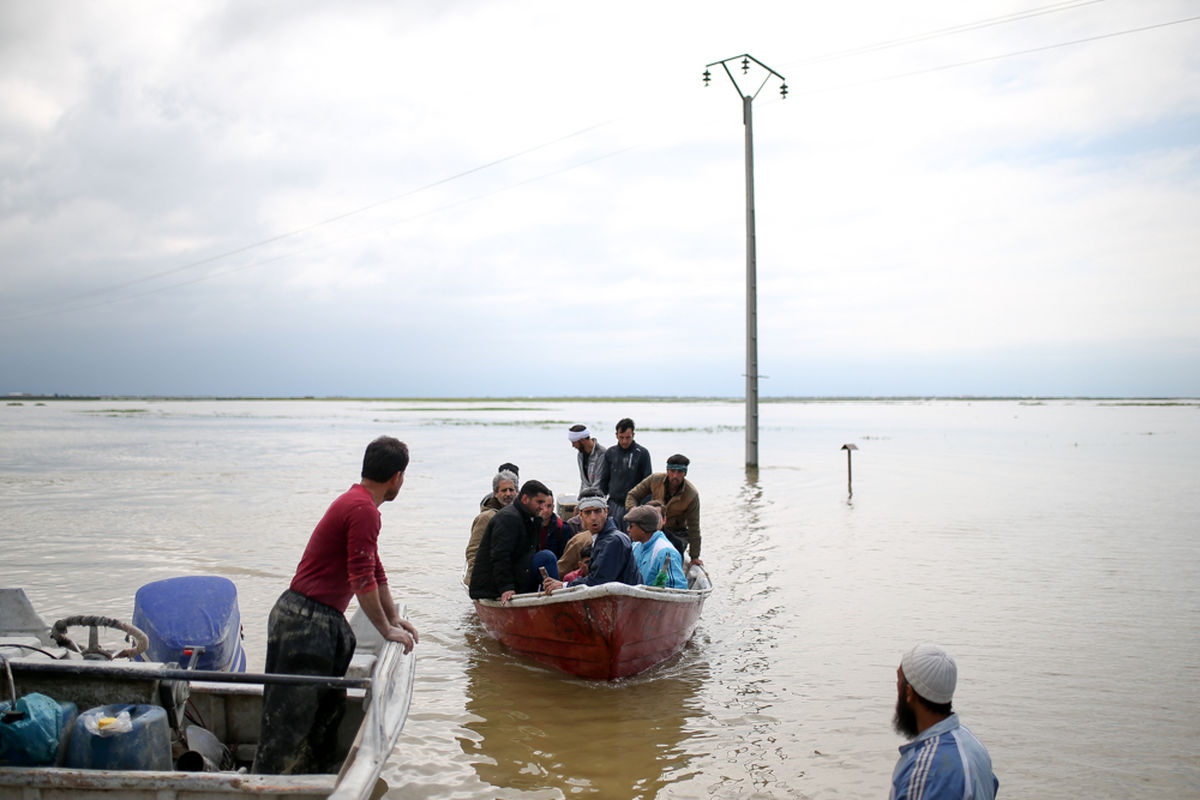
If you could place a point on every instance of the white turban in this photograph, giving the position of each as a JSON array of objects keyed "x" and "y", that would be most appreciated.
[{"x": 579, "y": 436}]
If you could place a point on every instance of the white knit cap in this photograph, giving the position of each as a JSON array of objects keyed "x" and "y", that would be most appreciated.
[{"x": 931, "y": 672}]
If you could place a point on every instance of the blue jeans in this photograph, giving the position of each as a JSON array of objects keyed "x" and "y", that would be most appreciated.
[{"x": 547, "y": 559}]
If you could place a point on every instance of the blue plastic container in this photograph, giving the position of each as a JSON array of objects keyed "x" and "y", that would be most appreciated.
[
  {"x": 196, "y": 610},
  {"x": 146, "y": 746},
  {"x": 39, "y": 739}
]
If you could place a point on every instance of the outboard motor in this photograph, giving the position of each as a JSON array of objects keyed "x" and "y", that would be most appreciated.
[{"x": 193, "y": 621}]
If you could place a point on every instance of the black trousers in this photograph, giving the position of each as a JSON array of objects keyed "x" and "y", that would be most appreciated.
[
  {"x": 680, "y": 540},
  {"x": 299, "y": 727}
]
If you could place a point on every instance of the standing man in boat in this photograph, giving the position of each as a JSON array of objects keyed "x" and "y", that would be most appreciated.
[
  {"x": 508, "y": 559},
  {"x": 612, "y": 552},
  {"x": 943, "y": 759},
  {"x": 591, "y": 457},
  {"x": 625, "y": 466},
  {"x": 307, "y": 633},
  {"x": 681, "y": 504},
  {"x": 504, "y": 491}
]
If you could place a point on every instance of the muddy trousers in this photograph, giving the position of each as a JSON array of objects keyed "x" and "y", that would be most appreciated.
[{"x": 299, "y": 723}]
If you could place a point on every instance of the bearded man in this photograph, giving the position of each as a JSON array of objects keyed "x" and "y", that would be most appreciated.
[{"x": 943, "y": 759}]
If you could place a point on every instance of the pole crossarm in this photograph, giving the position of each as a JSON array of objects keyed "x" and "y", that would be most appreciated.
[{"x": 746, "y": 58}]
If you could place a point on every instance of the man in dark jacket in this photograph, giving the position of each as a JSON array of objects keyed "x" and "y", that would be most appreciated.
[
  {"x": 625, "y": 466},
  {"x": 612, "y": 552},
  {"x": 504, "y": 563}
]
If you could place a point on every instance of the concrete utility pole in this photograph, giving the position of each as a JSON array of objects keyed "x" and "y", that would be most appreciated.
[{"x": 751, "y": 281}]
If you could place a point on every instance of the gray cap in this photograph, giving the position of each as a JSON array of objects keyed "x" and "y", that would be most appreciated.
[
  {"x": 929, "y": 670},
  {"x": 645, "y": 517}
]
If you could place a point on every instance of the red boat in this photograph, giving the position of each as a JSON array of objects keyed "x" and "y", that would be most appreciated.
[{"x": 600, "y": 632}]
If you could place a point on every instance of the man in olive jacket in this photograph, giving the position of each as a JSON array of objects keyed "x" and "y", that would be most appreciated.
[
  {"x": 504, "y": 563},
  {"x": 681, "y": 504}
]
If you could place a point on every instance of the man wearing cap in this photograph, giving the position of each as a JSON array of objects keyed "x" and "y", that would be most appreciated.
[
  {"x": 612, "y": 552},
  {"x": 658, "y": 561},
  {"x": 681, "y": 504},
  {"x": 942, "y": 759},
  {"x": 591, "y": 457}
]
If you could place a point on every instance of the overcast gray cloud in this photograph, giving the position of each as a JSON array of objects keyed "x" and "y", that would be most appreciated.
[{"x": 543, "y": 198}]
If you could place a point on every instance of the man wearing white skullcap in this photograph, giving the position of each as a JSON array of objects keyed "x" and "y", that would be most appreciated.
[{"x": 942, "y": 759}]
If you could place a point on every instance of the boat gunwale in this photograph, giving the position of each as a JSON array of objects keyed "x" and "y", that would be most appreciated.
[{"x": 580, "y": 593}]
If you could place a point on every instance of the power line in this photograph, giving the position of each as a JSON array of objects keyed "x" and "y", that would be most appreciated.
[
  {"x": 949, "y": 31},
  {"x": 1001, "y": 56},
  {"x": 69, "y": 305},
  {"x": 306, "y": 228}
]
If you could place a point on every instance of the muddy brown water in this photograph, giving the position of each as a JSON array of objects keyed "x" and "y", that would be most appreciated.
[{"x": 1050, "y": 546}]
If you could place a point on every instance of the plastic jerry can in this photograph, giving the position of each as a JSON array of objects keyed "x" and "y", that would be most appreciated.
[{"x": 121, "y": 736}]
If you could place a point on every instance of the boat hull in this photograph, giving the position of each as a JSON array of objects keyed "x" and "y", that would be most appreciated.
[{"x": 602, "y": 632}]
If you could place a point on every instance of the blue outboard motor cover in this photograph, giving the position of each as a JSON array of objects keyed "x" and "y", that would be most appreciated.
[{"x": 177, "y": 613}]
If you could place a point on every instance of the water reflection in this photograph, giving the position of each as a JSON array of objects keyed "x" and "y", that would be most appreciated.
[{"x": 532, "y": 729}]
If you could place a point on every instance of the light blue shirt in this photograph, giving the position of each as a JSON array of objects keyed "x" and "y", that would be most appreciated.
[
  {"x": 944, "y": 761},
  {"x": 652, "y": 554}
]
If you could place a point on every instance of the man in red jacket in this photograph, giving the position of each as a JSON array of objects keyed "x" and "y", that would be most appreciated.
[{"x": 307, "y": 633}]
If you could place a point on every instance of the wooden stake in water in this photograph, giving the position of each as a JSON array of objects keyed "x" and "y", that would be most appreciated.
[{"x": 849, "y": 448}]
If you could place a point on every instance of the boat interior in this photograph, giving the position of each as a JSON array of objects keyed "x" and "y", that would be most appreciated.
[{"x": 212, "y": 725}]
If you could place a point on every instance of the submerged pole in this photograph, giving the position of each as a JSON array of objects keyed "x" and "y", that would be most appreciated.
[
  {"x": 849, "y": 448},
  {"x": 751, "y": 295},
  {"x": 751, "y": 267}
]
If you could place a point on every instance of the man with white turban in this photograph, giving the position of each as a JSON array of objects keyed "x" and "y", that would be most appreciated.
[{"x": 591, "y": 457}]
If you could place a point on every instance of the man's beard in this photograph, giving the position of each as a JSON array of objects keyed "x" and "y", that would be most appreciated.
[{"x": 905, "y": 720}]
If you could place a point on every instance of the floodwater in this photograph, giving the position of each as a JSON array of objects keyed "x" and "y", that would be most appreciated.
[{"x": 1052, "y": 547}]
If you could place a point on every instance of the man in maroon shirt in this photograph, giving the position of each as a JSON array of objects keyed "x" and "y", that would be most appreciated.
[{"x": 307, "y": 633}]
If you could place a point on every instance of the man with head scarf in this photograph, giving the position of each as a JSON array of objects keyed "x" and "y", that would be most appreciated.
[
  {"x": 681, "y": 504},
  {"x": 612, "y": 552},
  {"x": 942, "y": 759},
  {"x": 591, "y": 457}
]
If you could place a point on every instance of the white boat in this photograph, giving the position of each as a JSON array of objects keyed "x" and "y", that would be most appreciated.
[{"x": 213, "y": 716}]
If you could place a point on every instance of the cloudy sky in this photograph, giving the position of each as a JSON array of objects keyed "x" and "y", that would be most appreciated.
[{"x": 996, "y": 197}]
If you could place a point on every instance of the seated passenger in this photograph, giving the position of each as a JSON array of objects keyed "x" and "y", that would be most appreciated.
[
  {"x": 612, "y": 552},
  {"x": 507, "y": 561},
  {"x": 658, "y": 561},
  {"x": 585, "y": 556},
  {"x": 554, "y": 533},
  {"x": 504, "y": 491}
]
